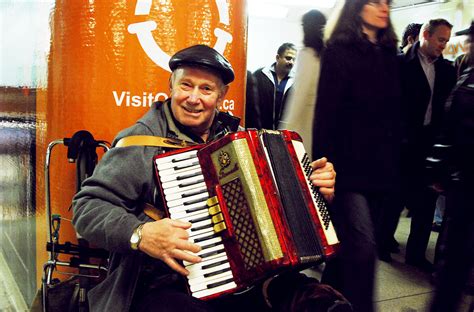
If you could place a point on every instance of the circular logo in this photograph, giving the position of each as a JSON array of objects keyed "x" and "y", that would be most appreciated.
[{"x": 143, "y": 30}]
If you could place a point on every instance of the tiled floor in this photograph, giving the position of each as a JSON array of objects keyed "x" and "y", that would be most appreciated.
[
  {"x": 402, "y": 288},
  {"x": 399, "y": 288}
]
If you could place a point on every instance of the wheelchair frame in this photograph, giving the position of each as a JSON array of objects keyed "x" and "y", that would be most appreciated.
[{"x": 80, "y": 254}]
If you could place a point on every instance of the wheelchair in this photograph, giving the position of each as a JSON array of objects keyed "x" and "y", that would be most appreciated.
[{"x": 89, "y": 264}]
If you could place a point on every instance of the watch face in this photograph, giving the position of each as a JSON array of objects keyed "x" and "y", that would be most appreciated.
[{"x": 134, "y": 238}]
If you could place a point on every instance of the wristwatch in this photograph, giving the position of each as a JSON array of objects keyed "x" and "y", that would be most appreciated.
[{"x": 136, "y": 237}]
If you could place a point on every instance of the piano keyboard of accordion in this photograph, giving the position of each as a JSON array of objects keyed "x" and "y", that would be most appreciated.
[{"x": 252, "y": 207}]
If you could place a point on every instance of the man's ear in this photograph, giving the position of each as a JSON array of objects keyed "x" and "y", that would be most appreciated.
[
  {"x": 170, "y": 83},
  {"x": 223, "y": 93},
  {"x": 426, "y": 34},
  {"x": 411, "y": 40}
]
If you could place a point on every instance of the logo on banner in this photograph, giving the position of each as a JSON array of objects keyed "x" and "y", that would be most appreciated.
[{"x": 144, "y": 30}]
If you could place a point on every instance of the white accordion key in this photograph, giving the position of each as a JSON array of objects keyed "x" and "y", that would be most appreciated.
[
  {"x": 198, "y": 284},
  {"x": 172, "y": 174},
  {"x": 177, "y": 161},
  {"x": 179, "y": 193},
  {"x": 188, "y": 200},
  {"x": 215, "y": 290}
]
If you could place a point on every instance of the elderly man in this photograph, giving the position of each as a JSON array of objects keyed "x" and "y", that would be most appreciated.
[{"x": 146, "y": 272}]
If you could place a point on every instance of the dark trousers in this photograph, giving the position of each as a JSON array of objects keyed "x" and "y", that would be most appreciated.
[
  {"x": 360, "y": 221},
  {"x": 165, "y": 293},
  {"x": 289, "y": 291},
  {"x": 419, "y": 197},
  {"x": 424, "y": 205},
  {"x": 459, "y": 250}
]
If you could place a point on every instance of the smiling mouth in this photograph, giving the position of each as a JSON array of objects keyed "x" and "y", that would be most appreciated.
[{"x": 191, "y": 110}]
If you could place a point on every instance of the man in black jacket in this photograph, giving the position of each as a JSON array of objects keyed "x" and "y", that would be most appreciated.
[
  {"x": 427, "y": 80},
  {"x": 273, "y": 86},
  {"x": 458, "y": 181}
]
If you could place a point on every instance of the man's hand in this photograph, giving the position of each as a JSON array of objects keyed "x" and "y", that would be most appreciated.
[
  {"x": 167, "y": 240},
  {"x": 324, "y": 177}
]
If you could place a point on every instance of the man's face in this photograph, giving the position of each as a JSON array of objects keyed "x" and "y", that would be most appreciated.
[
  {"x": 434, "y": 44},
  {"x": 195, "y": 94},
  {"x": 285, "y": 62}
]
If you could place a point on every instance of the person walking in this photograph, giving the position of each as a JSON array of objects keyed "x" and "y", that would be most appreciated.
[{"x": 358, "y": 124}]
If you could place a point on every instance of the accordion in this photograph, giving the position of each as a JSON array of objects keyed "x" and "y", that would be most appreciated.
[{"x": 252, "y": 207}]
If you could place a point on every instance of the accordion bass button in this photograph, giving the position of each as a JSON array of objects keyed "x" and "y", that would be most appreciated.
[
  {"x": 219, "y": 227},
  {"x": 214, "y": 209},
  {"x": 212, "y": 201},
  {"x": 217, "y": 218}
]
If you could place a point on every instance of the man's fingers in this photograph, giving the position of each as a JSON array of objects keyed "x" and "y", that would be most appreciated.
[
  {"x": 173, "y": 264},
  {"x": 185, "y": 256},
  {"x": 326, "y": 175},
  {"x": 328, "y": 184},
  {"x": 187, "y": 245},
  {"x": 326, "y": 190},
  {"x": 181, "y": 224},
  {"x": 318, "y": 163},
  {"x": 182, "y": 234}
]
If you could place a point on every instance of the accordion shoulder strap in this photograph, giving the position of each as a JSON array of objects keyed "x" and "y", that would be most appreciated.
[
  {"x": 153, "y": 212},
  {"x": 150, "y": 140}
]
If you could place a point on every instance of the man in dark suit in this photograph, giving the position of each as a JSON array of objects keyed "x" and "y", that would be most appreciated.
[
  {"x": 427, "y": 80},
  {"x": 456, "y": 176}
]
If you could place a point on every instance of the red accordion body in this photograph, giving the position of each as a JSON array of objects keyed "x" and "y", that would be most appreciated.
[{"x": 253, "y": 209}]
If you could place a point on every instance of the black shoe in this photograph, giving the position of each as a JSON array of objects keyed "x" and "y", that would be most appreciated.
[{"x": 421, "y": 264}]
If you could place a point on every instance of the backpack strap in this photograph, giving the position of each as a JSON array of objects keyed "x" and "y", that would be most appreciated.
[{"x": 150, "y": 140}]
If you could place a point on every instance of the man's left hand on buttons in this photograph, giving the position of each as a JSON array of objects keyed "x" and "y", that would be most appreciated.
[{"x": 324, "y": 177}]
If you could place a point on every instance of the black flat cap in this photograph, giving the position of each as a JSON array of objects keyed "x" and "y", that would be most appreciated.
[
  {"x": 204, "y": 56},
  {"x": 467, "y": 31}
]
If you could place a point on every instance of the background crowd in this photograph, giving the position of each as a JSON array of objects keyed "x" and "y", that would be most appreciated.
[{"x": 380, "y": 113}]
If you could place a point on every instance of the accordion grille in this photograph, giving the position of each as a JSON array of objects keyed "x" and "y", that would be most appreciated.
[{"x": 245, "y": 232}]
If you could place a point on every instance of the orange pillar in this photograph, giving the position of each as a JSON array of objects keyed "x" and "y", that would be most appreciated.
[{"x": 108, "y": 63}]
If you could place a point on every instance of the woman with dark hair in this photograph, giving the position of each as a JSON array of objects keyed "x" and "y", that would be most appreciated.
[
  {"x": 299, "y": 110},
  {"x": 357, "y": 126}
]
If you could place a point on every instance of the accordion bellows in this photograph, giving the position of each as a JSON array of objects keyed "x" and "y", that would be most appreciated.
[{"x": 252, "y": 207}]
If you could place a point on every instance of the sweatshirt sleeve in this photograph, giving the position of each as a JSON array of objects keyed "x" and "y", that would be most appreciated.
[{"x": 107, "y": 207}]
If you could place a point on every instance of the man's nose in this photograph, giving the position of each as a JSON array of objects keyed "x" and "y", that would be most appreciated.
[{"x": 194, "y": 96}]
